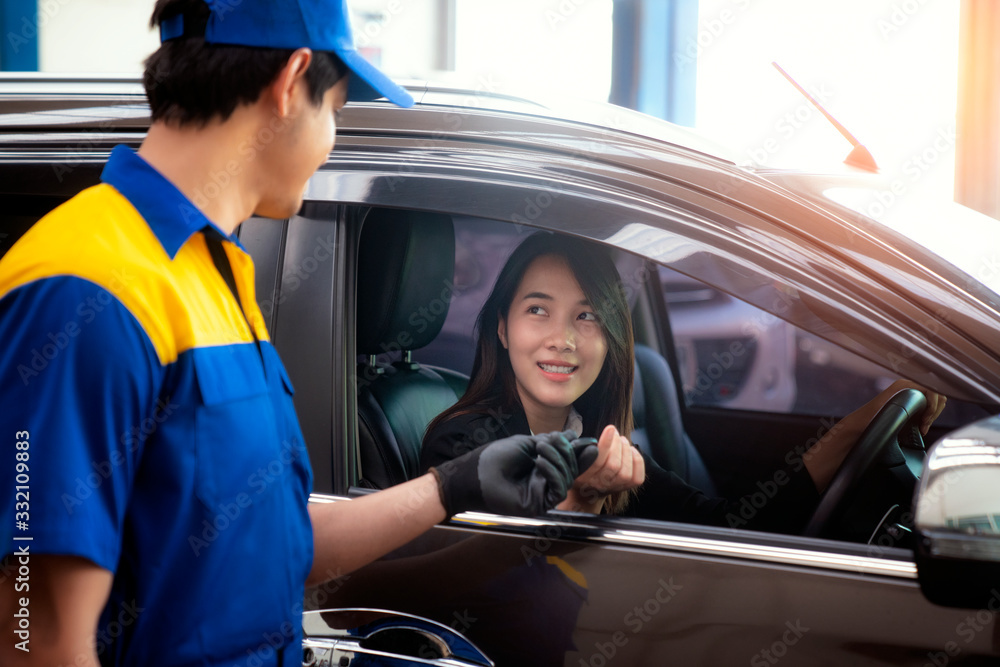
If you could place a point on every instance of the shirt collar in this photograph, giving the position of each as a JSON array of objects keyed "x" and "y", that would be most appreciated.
[
  {"x": 574, "y": 422},
  {"x": 170, "y": 215}
]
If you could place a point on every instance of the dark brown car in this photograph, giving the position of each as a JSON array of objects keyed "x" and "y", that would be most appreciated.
[{"x": 763, "y": 310}]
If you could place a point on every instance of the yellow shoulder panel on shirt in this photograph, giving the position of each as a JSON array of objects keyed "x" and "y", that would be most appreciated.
[{"x": 99, "y": 236}]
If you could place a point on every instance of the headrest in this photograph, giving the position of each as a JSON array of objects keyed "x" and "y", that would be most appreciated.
[{"x": 406, "y": 265}]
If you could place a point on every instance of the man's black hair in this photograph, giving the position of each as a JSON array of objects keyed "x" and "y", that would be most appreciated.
[{"x": 189, "y": 82}]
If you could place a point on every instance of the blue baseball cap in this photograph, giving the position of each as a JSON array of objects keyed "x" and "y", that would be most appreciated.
[{"x": 321, "y": 25}]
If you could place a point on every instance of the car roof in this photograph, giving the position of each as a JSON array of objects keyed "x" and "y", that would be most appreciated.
[
  {"x": 601, "y": 149},
  {"x": 31, "y": 98}
]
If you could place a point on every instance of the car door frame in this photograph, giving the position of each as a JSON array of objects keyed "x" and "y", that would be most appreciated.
[{"x": 456, "y": 188}]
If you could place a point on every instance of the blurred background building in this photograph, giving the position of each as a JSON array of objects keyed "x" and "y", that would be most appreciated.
[{"x": 913, "y": 80}]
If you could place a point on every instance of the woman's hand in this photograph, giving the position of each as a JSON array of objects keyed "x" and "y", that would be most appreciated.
[
  {"x": 619, "y": 467},
  {"x": 825, "y": 457},
  {"x": 935, "y": 402}
]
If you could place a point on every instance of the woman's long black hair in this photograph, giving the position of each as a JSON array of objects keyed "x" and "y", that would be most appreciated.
[{"x": 609, "y": 399}]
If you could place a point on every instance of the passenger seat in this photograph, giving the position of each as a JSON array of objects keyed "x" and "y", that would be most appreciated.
[
  {"x": 659, "y": 431},
  {"x": 406, "y": 263}
]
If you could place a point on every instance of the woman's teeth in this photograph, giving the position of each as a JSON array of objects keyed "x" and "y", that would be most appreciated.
[{"x": 557, "y": 369}]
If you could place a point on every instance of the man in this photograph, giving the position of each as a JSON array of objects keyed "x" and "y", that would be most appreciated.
[{"x": 160, "y": 514}]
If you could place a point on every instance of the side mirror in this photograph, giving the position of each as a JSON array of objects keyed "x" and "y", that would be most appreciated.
[{"x": 958, "y": 519}]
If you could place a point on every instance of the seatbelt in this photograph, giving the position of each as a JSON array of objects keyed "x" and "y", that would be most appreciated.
[{"x": 221, "y": 261}]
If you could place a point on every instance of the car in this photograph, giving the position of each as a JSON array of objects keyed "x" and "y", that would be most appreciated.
[{"x": 730, "y": 267}]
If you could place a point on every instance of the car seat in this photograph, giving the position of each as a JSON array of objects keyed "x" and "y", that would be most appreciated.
[
  {"x": 406, "y": 264},
  {"x": 658, "y": 428}
]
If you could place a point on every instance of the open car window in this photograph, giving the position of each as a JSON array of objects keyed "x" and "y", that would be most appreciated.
[
  {"x": 733, "y": 355},
  {"x": 733, "y": 359},
  {"x": 730, "y": 353}
]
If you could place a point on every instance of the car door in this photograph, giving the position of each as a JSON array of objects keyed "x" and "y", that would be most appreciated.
[{"x": 571, "y": 589}]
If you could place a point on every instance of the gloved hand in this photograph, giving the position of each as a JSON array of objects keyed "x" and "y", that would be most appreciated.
[
  {"x": 523, "y": 475},
  {"x": 586, "y": 453}
]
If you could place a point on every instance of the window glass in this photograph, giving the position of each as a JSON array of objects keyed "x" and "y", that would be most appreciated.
[
  {"x": 732, "y": 354},
  {"x": 481, "y": 248}
]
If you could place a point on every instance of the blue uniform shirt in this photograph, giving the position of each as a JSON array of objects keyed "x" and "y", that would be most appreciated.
[{"x": 162, "y": 440}]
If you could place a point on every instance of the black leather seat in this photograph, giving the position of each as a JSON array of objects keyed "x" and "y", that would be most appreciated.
[
  {"x": 407, "y": 263},
  {"x": 659, "y": 431}
]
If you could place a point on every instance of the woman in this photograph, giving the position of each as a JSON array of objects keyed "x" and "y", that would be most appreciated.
[{"x": 555, "y": 351}]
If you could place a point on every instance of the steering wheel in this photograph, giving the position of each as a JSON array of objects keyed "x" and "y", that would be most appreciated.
[{"x": 903, "y": 409}]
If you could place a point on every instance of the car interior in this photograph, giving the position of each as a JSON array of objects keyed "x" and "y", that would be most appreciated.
[
  {"x": 398, "y": 399},
  {"x": 415, "y": 320}
]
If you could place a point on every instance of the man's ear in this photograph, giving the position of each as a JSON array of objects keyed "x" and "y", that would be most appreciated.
[
  {"x": 502, "y": 331},
  {"x": 291, "y": 75}
]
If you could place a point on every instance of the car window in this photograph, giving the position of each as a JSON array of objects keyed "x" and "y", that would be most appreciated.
[
  {"x": 481, "y": 248},
  {"x": 734, "y": 355},
  {"x": 730, "y": 353}
]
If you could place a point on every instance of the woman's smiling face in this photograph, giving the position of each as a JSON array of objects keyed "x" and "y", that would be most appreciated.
[{"x": 556, "y": 344}]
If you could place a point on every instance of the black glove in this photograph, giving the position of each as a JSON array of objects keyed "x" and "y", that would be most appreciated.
[
  {"x": 586, "y": 453},
  {"x": 523, "y": 475}
]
